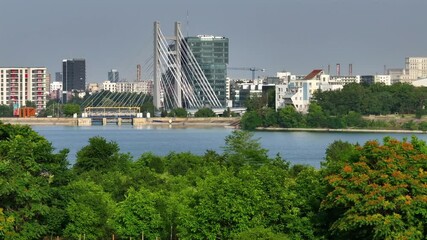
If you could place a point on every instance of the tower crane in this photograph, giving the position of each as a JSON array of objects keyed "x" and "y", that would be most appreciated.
[{"x": 252, "y": 69}]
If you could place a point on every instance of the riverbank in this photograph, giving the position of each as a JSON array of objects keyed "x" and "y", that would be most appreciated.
[
  {"x": 197, "y": 122},
  {"x": 341, "y": 130}
]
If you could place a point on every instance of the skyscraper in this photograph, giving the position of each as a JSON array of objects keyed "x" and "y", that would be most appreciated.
[
  {"x": 211, "y": 53},
  {"x": 113, "y": 75},
  {"x": 73, "y": 76}
]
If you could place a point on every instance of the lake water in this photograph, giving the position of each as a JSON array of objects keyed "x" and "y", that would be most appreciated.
[{"x": 296, "y": 147}]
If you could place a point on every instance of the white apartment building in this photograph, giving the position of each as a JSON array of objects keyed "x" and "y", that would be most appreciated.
[
  {"x": 18, "y": 85},
  {"x": 145, "y": 87},
  {"x": 299, "y": 90}
]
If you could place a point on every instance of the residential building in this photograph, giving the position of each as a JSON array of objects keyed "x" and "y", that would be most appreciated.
[
  {"x": 211, "y": 53},
  {"x": 145, "y": 87},
  {"x": 93, "y": 87},
  {"x": 372, "y": 79},
  {"x": 73, "y": 75},
  {"x": 18, "y": 85},
  {"x": 113, "y": 75},
  {"x": 297, "y": 90},
  {"x": 55, "y": 89}
]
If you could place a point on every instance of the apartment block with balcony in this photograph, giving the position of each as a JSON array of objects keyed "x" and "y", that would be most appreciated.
[{"x": 18, "y": 85}]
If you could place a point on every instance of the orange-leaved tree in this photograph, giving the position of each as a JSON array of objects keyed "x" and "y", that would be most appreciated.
[{"x": 379, "y": 192}]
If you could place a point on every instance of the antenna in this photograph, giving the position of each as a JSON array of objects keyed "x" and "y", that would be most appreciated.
[{"x": 188, "y": 23}]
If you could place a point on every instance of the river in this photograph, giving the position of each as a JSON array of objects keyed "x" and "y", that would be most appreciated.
[{"x": 296, "y": 147}]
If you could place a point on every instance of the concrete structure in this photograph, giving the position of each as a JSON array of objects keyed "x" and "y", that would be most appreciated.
[
  {"x": 73, "y": 75},
  {"x": 18, "y": 85},
  {"x": 113, "y": 75}
]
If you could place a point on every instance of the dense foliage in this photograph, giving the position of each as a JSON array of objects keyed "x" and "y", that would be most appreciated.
[
  {"x": 345, "y": 109},
  {"x": 374, "y": 191}
]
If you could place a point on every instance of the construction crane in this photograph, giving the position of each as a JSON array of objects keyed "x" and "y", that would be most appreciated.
[{"x": 252, "y": 69}]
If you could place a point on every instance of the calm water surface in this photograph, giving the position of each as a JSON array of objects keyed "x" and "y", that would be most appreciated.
[{"x": 296, "y": 147}]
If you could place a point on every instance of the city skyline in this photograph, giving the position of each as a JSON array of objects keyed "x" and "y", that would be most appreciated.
[{"x": 277, "y": 35}]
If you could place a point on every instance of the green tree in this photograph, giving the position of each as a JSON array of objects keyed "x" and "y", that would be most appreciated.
[
  {"x": 30, "y": 103},
  {"x": 138, "y": 215},
  {"x": 242, "y": 149},
  {"x": 6, "y": 111},
  {"x": 70, "y": 108},
  {"x": 290, "y": 118},
  {"x": 316, "y": 117},
  {"x": 250, "y": 120},
  {"x": 205, "y": 112},
  {"x": 88, "y": 210},
  {"x": 178, "y": 112},
  {"x": 379, "y": 192},
  {"x": 29, "y": 174},
  {"x": 101, "y": 156}
]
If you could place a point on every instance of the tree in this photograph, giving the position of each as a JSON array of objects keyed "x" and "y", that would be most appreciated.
[
  {"x": 6, "y": 111},
  {"x": 289, "y": 117},
  {"x": 241, "y": 149},
  {"x": 178, "y": 112},
  {"x": 205, "y": 112},
  {"x": 88, "y": 210},
  {"x": 70, "y": 109},
  {"x": 250, "y": 120},
  {"x": 101, "y": 156},
  {"x": 379, "y": 192},
  {"x": 30, "y": 103},
  {"x": 138, "y": 215},
  {"x": 29, "y": 174},
  {"x": 316, "y": 117}
]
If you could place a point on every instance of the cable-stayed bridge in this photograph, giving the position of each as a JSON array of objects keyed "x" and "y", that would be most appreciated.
[{"x": 176, "y": 75}]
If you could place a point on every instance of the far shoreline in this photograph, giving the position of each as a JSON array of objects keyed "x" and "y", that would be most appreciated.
[{"x": 349, "y": 130}]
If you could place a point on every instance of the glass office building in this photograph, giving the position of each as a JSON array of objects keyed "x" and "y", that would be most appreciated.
[{"x": 211, "y": 53}]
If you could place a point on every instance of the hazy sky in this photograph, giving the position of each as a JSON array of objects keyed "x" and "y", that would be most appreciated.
[{"x": 293, "y": 35}]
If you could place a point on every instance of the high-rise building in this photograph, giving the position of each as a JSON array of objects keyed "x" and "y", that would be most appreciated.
[
  {"x": 73, "y": 74},
  {"x": 211, "y": 53},
  {"x": 113, "y": 75},
  {"x": 19, "y": 85}
]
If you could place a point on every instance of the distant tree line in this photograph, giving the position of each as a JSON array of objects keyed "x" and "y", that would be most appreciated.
[
  {"x": 344, "y": 108},
  {"x": 373, "y": 191}
]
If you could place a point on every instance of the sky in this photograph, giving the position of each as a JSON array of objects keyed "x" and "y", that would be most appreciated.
[{"x": 277, "y": 35}]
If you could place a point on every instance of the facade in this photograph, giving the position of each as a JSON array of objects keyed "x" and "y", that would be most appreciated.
[
  {"x": 145, "y": 87},
  {"x": 211, "y": 53},
  {"x": 297, "y": 90},
  {"x": 113, "y": 75},
  {"x": 372, "y": 79},
  {"x": 73, "y": 74},
  {"x": 416, "y": 67},
  {"x": 55, "y": 89},
  {"x": 18, "y": 85}
]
